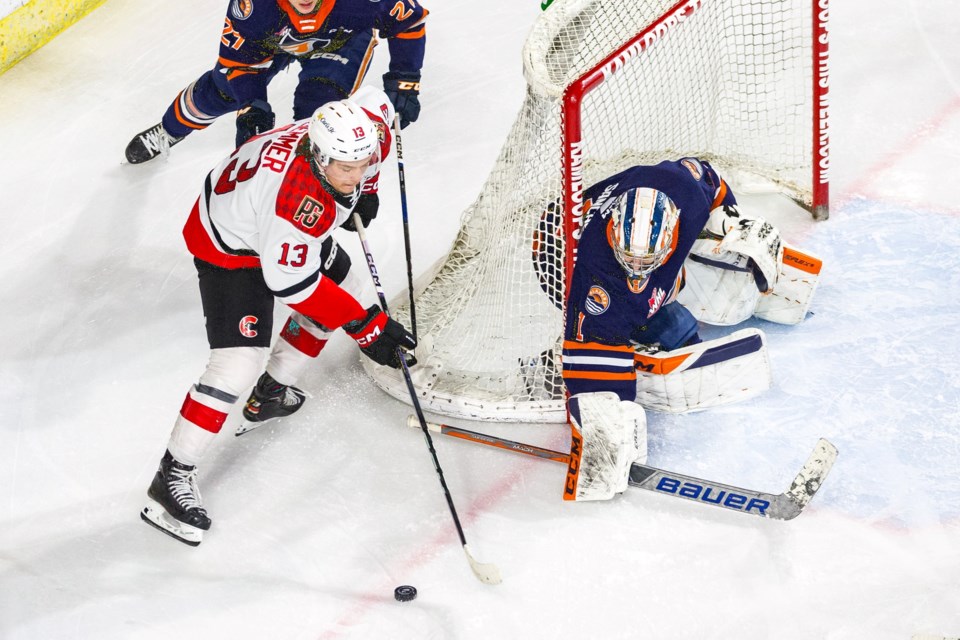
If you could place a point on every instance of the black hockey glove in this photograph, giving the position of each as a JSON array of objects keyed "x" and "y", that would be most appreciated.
[
  {"x": 403, "y": 87},
  {"x": 366, "y": 207},
  {"x": 379, "y": 336},
  {"x": 254, "y": 119}
]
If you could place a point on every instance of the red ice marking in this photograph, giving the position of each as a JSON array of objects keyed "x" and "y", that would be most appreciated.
[
  {"x": 925, "y": 131},
  {"x": 427, "y": 552}
]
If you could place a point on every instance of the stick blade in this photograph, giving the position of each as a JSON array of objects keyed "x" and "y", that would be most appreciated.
[
  {"x": 812, "y": 475},
  {"x": 486, "y": 573}
]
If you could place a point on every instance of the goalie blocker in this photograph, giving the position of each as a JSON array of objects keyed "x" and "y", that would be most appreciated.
[{"x": 607, "y": 436}]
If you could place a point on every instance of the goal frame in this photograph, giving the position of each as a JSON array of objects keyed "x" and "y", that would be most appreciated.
[{"x": 576, "y": 92}]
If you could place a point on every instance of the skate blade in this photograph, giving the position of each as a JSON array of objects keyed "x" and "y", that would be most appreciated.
[
  {"x": 248, "y": 426},
  {"x": 156, "y": 516}
]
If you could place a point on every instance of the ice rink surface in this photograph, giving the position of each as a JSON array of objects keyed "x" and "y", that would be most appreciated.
[{"x": 318, "y": 519}]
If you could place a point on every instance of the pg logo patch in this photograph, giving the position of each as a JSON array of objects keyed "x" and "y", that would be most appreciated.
[
  {"x": 312, "y": 216},
  {"x": 598, "y": 301}
]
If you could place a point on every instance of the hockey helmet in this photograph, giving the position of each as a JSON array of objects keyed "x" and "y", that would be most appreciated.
[
  {"x": 642, "y": 230},
  {"x": 341, "y": 130}
]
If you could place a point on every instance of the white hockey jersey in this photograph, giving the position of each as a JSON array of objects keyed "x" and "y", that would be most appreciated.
[{"x": 265, "y": 207}]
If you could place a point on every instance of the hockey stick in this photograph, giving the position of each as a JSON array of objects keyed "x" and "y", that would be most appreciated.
[
  {"x": 406, "y": 225},
  {"x": 782, "y": 506},
  {"x": 485, "y": 572}
]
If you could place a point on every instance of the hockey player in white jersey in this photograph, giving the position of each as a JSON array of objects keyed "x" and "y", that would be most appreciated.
[{"x": 262, "y": 230}]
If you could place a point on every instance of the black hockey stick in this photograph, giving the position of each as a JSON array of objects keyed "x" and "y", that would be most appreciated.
[
  {"x": 485, "y": 572},
  {"x": 782, "y": 506},
  {"x": 406, "y": 224}
]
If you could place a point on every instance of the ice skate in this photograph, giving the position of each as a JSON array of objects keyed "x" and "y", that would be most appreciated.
[
  {"x": 268, "y": 400},
  {"x": 149, "y": 144},
  {"x": 174, "y": 504}
]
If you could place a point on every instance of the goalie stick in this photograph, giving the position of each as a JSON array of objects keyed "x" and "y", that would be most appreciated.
[{"x": 782, "y": 506}]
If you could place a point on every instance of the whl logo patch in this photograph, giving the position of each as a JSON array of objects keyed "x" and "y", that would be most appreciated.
[{"x": 656, "y": 300}]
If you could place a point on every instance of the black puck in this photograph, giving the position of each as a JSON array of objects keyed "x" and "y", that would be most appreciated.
[{"x": 405, "y": 593}]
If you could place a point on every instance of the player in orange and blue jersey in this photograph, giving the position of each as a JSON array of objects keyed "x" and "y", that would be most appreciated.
[{"x": 333, "y": 40}]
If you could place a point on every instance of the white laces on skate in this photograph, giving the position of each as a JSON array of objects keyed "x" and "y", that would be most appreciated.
[
  {"x": 183, "y": 487},
  {"x": 156, "y": 141},
  {"x": 290, "y": 398}
]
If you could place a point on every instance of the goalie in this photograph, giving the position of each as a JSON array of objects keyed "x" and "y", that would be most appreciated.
[{"x": 629, "y": 339}]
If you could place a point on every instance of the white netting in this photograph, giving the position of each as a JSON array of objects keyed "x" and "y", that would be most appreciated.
[{"x": 731, "y": 82}]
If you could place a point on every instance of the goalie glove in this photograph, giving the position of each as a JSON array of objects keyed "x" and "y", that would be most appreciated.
[
  {"x": 367, "y": 206},
  {"x": 379, "y": 336},
  {"x": 607, "y": 436},
  {"x": 754, "y": 238}
]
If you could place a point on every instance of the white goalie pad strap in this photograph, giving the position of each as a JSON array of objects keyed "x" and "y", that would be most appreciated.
[
  {"x": 704, "y": 375},
  {"x": 790, "y": 299},
  {"x": 607, "y": 436}
]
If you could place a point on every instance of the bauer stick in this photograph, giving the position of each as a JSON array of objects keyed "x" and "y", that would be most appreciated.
[
  {"x": 485, "y": 572},
  {"x": 783, "y": 506},
  {"x": 406, "y": 224}
]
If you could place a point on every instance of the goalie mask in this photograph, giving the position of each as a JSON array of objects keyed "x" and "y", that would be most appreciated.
[
  {"x": 642, "y": 230},
  {"x": 341, "y": 131}
]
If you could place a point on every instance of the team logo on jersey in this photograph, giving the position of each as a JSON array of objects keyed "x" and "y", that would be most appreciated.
[
  {"x": 246, "y": 326},
  {"x": 694, "y": 167},
  {"x": 308, "y": 214},
  {"x": 656, "y": 300},
  {"x": 598, "y": 301},
  {"x": 241, "y": 9}
]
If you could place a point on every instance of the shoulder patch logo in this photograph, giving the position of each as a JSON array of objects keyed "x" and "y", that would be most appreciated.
[
  {"x": 598, "y": 301},
  {"x": 241, "y": 9},
  {"x": 694, "y": 167},
  {"x": 311, "y": 216},
  {"x": 656, "y": 299}
]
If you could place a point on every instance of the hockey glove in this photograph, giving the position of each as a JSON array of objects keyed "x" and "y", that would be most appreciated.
[
  {"x": 254, "y": 119},
  {"x": 379, "y": 336},
  {"x": 402, "y": 88},
  {"x": 366, "y": 207}
]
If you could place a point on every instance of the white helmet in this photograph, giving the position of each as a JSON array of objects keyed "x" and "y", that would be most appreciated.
[
  {"x": 341, "y": 131},
  {"x": 642, "y": 230}
]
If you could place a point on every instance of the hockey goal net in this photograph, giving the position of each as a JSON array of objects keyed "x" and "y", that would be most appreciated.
[{"x": 610, "y": 84}]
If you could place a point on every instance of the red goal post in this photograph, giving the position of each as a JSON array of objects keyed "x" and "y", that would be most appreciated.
[{"x": 611, "y": 84}]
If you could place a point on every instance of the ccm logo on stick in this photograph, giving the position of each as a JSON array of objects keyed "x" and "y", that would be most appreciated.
[{"x": 709, "y": 494}]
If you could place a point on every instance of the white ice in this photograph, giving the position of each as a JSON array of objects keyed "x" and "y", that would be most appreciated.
[{"x": 317, "y": 520}]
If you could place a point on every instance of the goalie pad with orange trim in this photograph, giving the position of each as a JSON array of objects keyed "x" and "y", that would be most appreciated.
[
  {"x": 790, "y": 300},
  {"x": 724, "y": 292},
  {"x": 704, "y": 375},
  {"x": 607, "y": 436}
]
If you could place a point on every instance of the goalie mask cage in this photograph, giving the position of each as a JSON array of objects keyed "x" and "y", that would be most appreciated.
[{"x": 610, "y": 84}]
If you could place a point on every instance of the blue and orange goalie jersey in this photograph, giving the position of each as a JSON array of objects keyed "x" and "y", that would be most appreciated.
[{"x": 607, "y": 311}]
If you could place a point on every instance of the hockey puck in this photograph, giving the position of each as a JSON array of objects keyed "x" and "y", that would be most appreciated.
[{"x": 405, "y": 593}]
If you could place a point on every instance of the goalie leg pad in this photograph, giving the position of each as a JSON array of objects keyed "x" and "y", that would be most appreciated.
[
  {"x": 706, "y": 374},
  {"x": 607, "y": 436}
]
